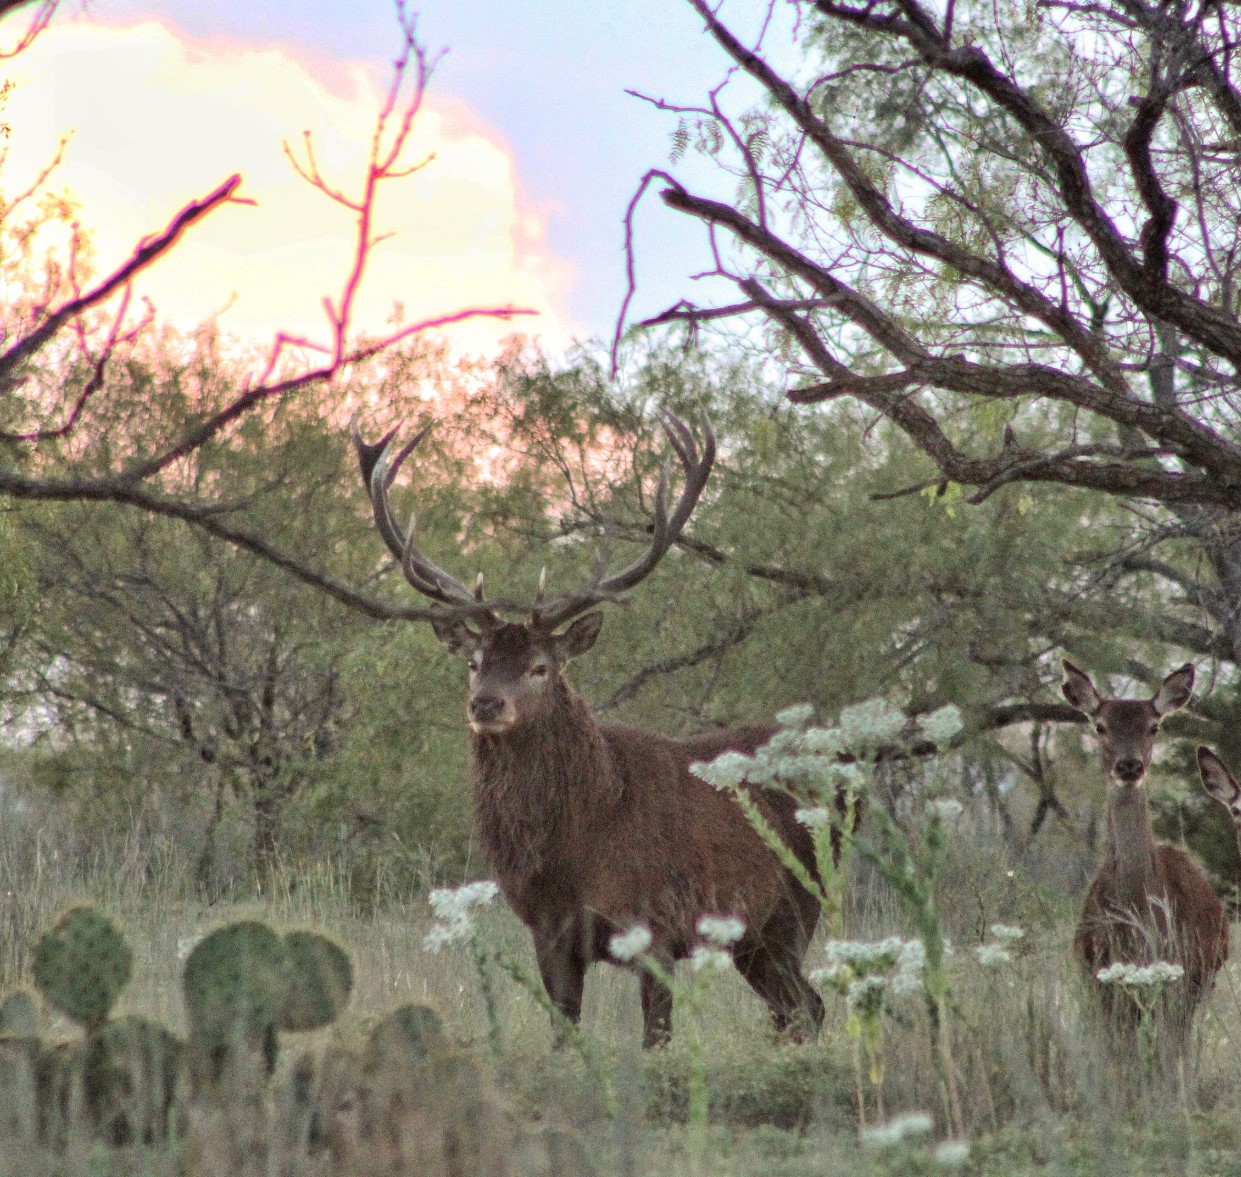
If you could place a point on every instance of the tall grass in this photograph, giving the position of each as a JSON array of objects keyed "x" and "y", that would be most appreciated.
[{"x": 1035, "y": 1094}]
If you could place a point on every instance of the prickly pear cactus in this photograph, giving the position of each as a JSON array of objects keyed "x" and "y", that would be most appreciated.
[
  {"x": 131, "y": 1075},
  {"x": 19, "y": 1015},
  {"x": 320, "y": 979},
  {"x": 81, "y": 964},
  {"x": 19, "y": 1116},
  {"x": 236, "y": 982},
  {"x": 406, "y": 1037}
]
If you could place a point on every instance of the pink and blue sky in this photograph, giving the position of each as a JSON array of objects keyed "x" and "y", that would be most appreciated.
[{"x": 538, "y": 150}]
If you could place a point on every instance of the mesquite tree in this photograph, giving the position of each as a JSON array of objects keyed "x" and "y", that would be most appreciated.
[{"x": 1015, "y": 233}]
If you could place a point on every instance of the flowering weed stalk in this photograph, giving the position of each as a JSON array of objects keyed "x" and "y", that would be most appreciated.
[
  {"x": 912, "y": 870},
  {"x": 1145, "y": 984},
  {"x": 829, "y": 769},
  {"x": 869, "y": 976},
  {"x": 719, "y": 934},
  {"x": 455, "y": 910}
]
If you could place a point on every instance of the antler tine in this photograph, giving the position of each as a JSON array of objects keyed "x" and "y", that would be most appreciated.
[
  {"x": 373, "y": 461},
  {"x": 379, "y": 468},
  {"x": 665, "y": 528}
]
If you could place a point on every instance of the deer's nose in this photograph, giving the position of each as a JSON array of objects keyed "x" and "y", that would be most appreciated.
[
  {"x": 485, "y": 708},
  {"x": 1129, "y": 769}
]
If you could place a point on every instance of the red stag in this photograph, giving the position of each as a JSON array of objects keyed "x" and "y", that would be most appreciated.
[
  {"x": 594, "y": 828},
  {"x": 1148, "y": 900}
]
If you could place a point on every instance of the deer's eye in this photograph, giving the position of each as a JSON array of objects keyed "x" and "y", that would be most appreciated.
[
  {"x": 1153, "y": 730},
  {"x": 1101, "y": 728},
  {"x": 538, "y": 670},
  {"x": 475, "y": 663}
]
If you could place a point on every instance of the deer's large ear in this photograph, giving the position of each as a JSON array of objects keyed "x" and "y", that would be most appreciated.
[
  {"x": 1219, "y": 782},
  {"x": 1079, "y": 690},
  {"x": 1175, "y": 690},
  {"x": 579, "y": 637},
  {"x": 455, "y": 634}
]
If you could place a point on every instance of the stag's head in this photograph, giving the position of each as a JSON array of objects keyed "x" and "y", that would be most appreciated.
[
  {"x": 516, "y": 667},
  {"x": 1126, "y": 728}
]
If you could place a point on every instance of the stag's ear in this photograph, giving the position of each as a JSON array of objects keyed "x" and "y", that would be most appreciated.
[
  {"x": 455, "y": 634},
  {"x": 1079, "y": 690},
  {"x": 579, "y": 637},
  {"x": 1219, "y": 782},
  {"x": 1175, "y": 690}
]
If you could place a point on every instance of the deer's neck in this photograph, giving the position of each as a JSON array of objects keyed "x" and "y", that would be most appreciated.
[
  {"x": 537, "y": 788},
  {"x": 1130, "y": 847}
]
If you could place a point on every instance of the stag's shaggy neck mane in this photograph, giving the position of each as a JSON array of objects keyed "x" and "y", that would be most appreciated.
[{"x": 535, "y": 785}]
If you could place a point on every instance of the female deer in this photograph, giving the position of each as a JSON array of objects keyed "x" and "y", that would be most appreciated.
[
  {"x": 593, "y": 828},
  {"x": 1148, "y": 900}
]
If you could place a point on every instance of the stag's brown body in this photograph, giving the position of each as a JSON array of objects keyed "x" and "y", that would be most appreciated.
[
  {"x": 593, "y": 829},
  {"x": 1148, "y": 900}
]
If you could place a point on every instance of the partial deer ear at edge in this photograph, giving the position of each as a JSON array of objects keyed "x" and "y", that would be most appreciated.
[
  {"x": 1175, "y": 690},
  {"x": 1216, "y": 778},
  {"x": 580, "y": 636},
  {"x": 1079, "y": 689}
]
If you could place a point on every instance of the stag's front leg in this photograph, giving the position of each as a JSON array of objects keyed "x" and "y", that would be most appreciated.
[{"x": 563, "y": 969}]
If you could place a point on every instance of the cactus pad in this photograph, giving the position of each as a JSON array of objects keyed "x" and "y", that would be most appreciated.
[
  {"x": 81, "y": 964},
  {"x": 130, "y": 1071},
  {"x": 19, "y": 1015},
  {"x": 320, "y": 979},
  {"x": 406, "y": 1037},
  {"x": 236, "y": 984}
]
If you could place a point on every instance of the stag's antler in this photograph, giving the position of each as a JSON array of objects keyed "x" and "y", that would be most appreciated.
[
  {"x": 665, "y": 532},
  {"x": 379, "y": 468}
]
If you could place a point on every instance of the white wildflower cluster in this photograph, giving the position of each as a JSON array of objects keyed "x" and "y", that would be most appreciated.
[
  {"x": 454, "y": 912},
  {"x": 814, "y": 818},
  {"x": 801, "y": 757},
  {"x": 796, "y": 717},
  {"x": 719, "y": 932},
  {"x": 871, "y": 724},
  {"x": 999, "y": 949},
  {"x": 626, "y": 946},
  {"x": 952, "y": 1154},
  {"x": 939, "y": 727},
  {"x": 726, "y": 771},
  {"x": 705, "y": 956},
  {"x": 1132, "y": 976},
  {"x": 894, "y": 1132},
  {"x": 945, "y": 809},
  {"x": 866, "y": 972}
]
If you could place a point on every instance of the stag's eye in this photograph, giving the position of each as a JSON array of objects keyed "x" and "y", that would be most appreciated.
[
  {"x": 538, "y": 670},
  {"x": 475, "y": 664},
  {"x": 1153, "y": 730},
  {"x": 1101, "y": 728}
]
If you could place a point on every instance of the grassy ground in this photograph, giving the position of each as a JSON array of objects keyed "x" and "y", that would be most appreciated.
[{"x": 1035, "y": 1098}]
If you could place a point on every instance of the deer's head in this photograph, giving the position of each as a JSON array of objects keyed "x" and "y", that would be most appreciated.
[
  {"x": 516, "y": 666},
  {"x": 1126, "y": 728},
  {"x": 515, "y": 670}
]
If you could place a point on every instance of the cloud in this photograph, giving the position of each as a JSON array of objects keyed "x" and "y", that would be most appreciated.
[{"x": 158, "y": 119}]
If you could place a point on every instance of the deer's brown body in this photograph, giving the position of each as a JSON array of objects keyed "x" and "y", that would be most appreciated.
[
  {"x": 592, "y": 829},
  {"x": 1149, "y": 900}
]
